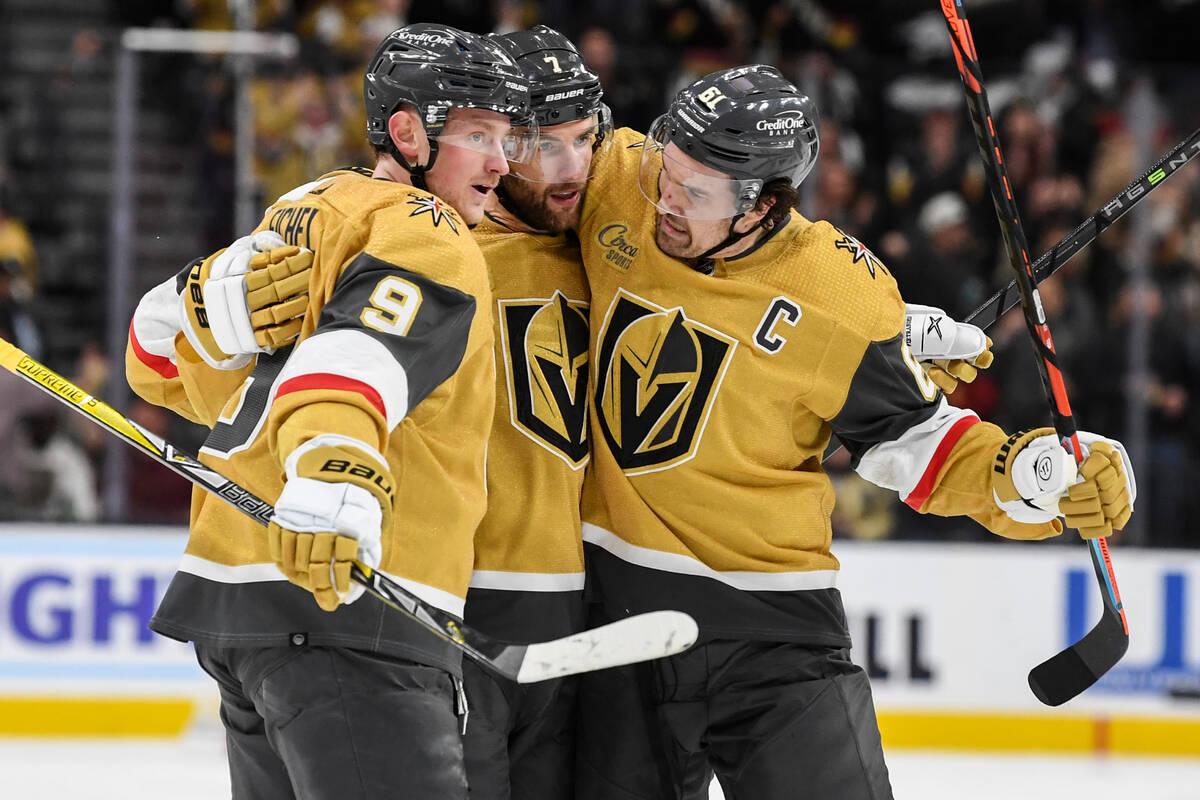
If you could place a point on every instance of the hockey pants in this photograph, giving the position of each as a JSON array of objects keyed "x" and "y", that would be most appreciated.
[
  {"x": 322, "y": 723},
  {"x": 773, "y": 721}
]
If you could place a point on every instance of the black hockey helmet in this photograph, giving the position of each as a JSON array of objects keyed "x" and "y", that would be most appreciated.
[
  {"x": 749, "y": 123},
  {"x": 436, "y": 68},
  {"x": 562, "y": 88}
]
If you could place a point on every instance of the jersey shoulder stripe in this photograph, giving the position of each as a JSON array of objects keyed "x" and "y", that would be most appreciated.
[{"x": 423, "y": 325}]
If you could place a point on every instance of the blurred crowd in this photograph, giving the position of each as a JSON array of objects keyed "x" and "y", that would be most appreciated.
[{"x": 898, "y": 169}]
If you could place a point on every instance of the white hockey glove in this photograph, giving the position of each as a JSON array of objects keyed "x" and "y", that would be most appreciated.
[
  {"x": 248, "y": 298},
  {"x": 948, "y": 351},
  {"x": 335, "y": 504},
  {"x": 1035, "y": 480}
]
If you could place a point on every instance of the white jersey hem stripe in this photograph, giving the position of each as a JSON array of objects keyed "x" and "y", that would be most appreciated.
[
  {"x": 262, "y": 573},
  {"x": 745, "y": 580},
  {"x": 527, "y": 581}
]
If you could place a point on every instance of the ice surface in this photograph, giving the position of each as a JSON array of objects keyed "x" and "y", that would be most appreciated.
[{"x": 193, "y": 768}]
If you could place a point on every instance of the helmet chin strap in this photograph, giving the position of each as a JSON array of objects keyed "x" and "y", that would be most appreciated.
[
  {"x": 704, "y": 260},
  {"x": 417, "y": 172}
]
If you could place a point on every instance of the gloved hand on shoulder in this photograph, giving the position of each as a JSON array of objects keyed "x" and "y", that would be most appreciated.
[
  {"x": 1035, "y": 480},
  {"x": 244, "y": 299}
]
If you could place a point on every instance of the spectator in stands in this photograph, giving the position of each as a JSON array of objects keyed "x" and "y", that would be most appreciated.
[
  {"x": 630, "y": 87},
  {"x": 937, "y": 259},
  {"x": 21, "y": 401},
  {"x": 58, "y": 483},
  {"x": 17, "y": 324},
  {"x": 155, "y": 495},
  {"x": 16, "y": 248}
]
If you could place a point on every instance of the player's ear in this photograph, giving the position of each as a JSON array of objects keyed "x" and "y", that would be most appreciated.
[{"x": 408, "y": 134}]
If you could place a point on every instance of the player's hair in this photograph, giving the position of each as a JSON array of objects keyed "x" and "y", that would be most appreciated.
[{"x": 786, "y": 198}]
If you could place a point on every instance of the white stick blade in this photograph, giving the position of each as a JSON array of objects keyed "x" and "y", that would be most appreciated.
[{"x": 627, "y": 641}]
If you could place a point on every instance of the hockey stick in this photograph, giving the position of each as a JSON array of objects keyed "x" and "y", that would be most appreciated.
[
  {"x": 637, "y": 638},
  {"x": 1066, "y": 248},
  {"x": 1073, "y": 670}
]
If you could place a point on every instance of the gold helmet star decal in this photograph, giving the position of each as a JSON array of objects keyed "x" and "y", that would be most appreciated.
[
  {"x": 436, "y": 209},
  {"x": 859, "y": 252}
]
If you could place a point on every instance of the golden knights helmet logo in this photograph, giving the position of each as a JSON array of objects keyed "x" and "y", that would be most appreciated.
[
  {"x": 546, "y": 356},
  {"x": 657, "y": 374}
]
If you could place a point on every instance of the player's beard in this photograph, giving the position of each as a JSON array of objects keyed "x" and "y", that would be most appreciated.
[
  {"x": 533, "y": 202},
  {"x": 674, "y": 244}
]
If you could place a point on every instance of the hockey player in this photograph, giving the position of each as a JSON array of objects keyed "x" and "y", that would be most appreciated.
[
  {"x": 371, "y": 431},
  {"x": 731, "y": 338},
  {"x": 528, "y": 568},
  {"x": 528, "y": 579}
]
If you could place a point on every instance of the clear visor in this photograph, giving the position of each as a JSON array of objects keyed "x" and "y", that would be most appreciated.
[
  {"x": 565, "y": 153},
  {"x": 679, "y": 185},
  {"x": 516, "y": 143}
]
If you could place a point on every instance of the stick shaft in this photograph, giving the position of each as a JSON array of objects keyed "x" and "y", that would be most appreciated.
[
  {"x": 1087, "y": 231},
  {"x": 1053, "y": 670},
  {"x": 388, "y": 591}
]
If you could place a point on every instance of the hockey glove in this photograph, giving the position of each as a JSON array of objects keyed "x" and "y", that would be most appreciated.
[
  {"x": 277, "y": 295},
  {"x": 228, "y": 315},
  {"x": 335, "y": 504},
  {"x": 948, "y": 351},
  {"x": 1035, "y": 480}
]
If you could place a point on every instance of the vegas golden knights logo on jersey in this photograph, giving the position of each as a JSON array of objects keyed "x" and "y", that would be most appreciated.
[
  {"x": 546, "y": 353},
  {"x": 657, "y": 374}
]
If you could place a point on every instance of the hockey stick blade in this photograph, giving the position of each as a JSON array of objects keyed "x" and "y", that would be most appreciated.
[
  {"x": 1079, "y": 666},
  {"x": 1068, "y": 673},
  {"x": 637, "y": 638},
  {"x": 626, "y": 641}
]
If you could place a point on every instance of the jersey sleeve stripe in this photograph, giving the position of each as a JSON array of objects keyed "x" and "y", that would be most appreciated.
[
  {"x": 160, "y": 364},
  {"x": 909, "y": 464},
  {"x": 924, "y": 487},
  {"x": 349, "y": 360},
  {"x": 331, "y": 382}
]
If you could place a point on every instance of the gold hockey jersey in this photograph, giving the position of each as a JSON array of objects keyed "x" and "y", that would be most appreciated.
[
  {"x": 395, "y": 350},
  {"x": 714, "y": 398},
  {"x": 528, "y": 579}
]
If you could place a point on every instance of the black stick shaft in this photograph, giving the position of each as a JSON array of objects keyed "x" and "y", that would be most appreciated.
[{"x": 1087, "y": 231}]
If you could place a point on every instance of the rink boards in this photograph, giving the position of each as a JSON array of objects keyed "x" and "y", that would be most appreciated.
[{"x": 947, "y": 632}]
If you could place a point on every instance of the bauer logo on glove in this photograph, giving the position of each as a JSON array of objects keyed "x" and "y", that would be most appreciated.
[{"x": 335, "y": 505}]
